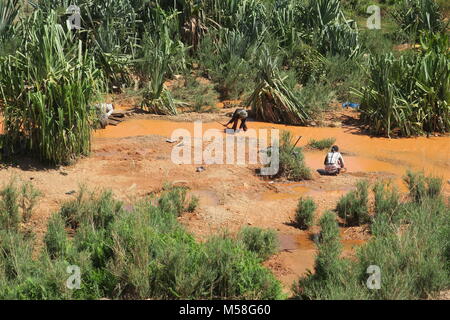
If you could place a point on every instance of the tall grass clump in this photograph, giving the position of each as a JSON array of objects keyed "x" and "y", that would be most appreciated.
[
  {"x": 291, "y": 160},
  {"x": 9, "y": 10},
  {"x": 16, "y": 204},
  {"x": 47, "y": 88},
  {"x": 353, "y": 207},
  {"x": 329, "y": 268},
  {"x": 141, "y": 253},
  {"x": 263, "y": 243},
  {"x": 304, "y": 215},
  {"x": 388, "y": 210},
  {"x": 56, "y": 240},
  {"x": 174, "y": 200},
  {"x": 9, "y": 207}
]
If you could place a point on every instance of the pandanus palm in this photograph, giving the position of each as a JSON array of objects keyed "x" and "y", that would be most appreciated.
[{"x": 272, "y": 99}]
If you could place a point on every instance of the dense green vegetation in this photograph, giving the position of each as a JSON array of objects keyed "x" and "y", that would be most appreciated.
[
  {"x": 140, "y": 253},
  {"x": 353, "y": 207},
  {"x": 287, "y": 60},
  {"x": 304, "y": 215},
  {"x": 410, "y": 245}
]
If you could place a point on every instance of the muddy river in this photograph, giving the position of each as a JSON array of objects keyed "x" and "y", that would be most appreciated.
[{"x": 362, "y": 153}]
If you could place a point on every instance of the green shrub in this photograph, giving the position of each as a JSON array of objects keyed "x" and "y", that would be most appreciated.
[
  {"x": 193, "y": 204},
  {"x": 28, "y": 199},
  {"x": 330, "y": 269},
  {"x": 330, "y": 247},
  {"x": 16, "y": 204},
  {"x": 316, "y": 97},
  {"x": 307, "y": 62},
  {"x": 238, "y": 272},
  {"x": 56, "y": 241},
  {"x": 174, "y": 200},
  {"x": 91, "y": 208},
  {"x": 262, "y": 242},
  {"x": 353, "y": 206},
  {"x": 388, "y": 210},
  {"x": 420, "y": 252},
  {"x": 227, "y": 56},
  {"x": 305, "y": 212},
  {"x": 291, "y": 160},
  {"x": 9, "y": 207},
  {"x": 344, "y": 74},
  {"x": 321, "y": 144},
  {"x": 15, "y": 255},
  {"x": 421, "y": 187}
]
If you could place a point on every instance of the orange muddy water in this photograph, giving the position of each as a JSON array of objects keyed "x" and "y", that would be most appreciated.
[{"x": 362, "y": 153}]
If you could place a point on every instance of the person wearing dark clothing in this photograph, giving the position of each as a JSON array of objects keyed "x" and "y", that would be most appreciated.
[{"x": 239, "y": 114}]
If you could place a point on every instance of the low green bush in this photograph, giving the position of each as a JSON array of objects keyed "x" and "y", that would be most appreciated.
[
  {"x": 421, "y": 187},
  {"x": 353, "y": 207},
  {"x": 291, "y": 160},
  {"x": 262, "y": 242},
  {"x": 56, "y": 240},
  {"x": 388, "y": 209},
  {"x": 91, "y": 207},
  {"x": 16, "y": 204},
  {"x": 174, "y": 199},
  {"x": 321, "y": 144},
  {"x": 413, "y": 259},
  {"x": 143, "y": 253},
  {"x": 9, "y": 207},
  {"x": 304, "y": 216}
]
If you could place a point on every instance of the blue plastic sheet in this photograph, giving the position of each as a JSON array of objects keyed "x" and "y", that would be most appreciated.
[{"x": 350, "y": 104}]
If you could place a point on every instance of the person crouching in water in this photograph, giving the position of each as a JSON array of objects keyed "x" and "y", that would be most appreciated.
[
  {"x": 334, "y": 161},
  {"x": 239, "y": 114}
]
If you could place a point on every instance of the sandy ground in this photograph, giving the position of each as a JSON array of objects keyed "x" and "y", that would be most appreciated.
[{"x": 133, "y": 159}]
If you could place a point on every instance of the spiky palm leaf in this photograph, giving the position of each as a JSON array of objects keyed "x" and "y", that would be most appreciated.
[{"x": 272, "y": 100}]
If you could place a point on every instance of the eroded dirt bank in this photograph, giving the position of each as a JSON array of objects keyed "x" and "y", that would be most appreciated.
[{"x": 134, "y": 159}]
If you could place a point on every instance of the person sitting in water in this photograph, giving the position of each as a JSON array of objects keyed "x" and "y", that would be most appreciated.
[
  {"x": 334, "y": 161},
  {"x": 239, "y": 114}
]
